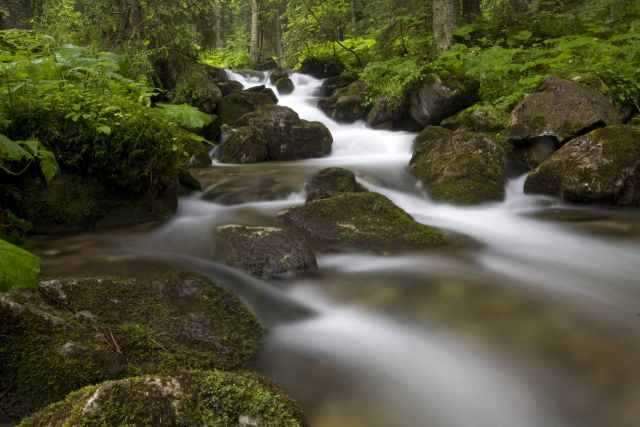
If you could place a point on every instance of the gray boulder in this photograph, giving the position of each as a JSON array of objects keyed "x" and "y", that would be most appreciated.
[
  {"x": 435, "y": 100},
  {"x": 331, "y": 182}
]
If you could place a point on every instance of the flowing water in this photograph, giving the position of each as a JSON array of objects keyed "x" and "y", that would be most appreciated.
[{"x": 535, "y": 325}]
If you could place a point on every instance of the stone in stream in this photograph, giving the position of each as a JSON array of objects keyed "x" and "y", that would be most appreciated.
[
  {"x": 360, "y": 221},
  {"x": 196, "y": 398},
  {"x": 347, "y": 104},
  {"x": 198, "y": 86},
  {"x": 331, "y": 182},
  {"x": 558, "y": 111},
  {"x": 266, "y": 252},
  {"x": 392, "y": 115},
  {"x": 460, "y": 167},
  {"x": 273, "y": 132},
  {"x": 235, "y": 105},
  {"x": 602, "y": 166},
  {"x": 285, "y": 86},
  {"x": 70, "y": 333}
]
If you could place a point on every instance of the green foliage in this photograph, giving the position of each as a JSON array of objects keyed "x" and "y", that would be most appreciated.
[
  {"x": 18, "y": 268},
  {"x": 392, "y": 78},
  {"x": 353, "y": 53},
  {"x": 226, "y": 58},
  {"x": 25, "y": 153},
  {"x": 185, "y": 115}
]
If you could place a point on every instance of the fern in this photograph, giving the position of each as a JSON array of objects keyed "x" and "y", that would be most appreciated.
[{"x": 185, "y": 115}]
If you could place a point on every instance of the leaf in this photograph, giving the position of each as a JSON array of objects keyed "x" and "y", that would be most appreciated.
[
  {"x": 18, "y": 268},
  {"x": 104, "y": 129},
  {"x": 185, "y": 115},
  {"x": 12, "y": 151},
  {"x": 48, "y": 165}
]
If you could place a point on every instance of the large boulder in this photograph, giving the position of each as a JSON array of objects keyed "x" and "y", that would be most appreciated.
[
  {"x": 70, "y": 333},
  {"x": 347, "y": 104},
  {"x": 331, "y": 84},
  {"x": 237, "y": 104},
  {"x": 331, "y": 182},
  {"x": 459, "y": 167},
  {"x": 479, "y": 118},
  {"x": 281, "y": 132},
  {"x": 321, "y": 68},
  {"x": 600, "y": 167},
  {"x": 266, "y": 252},
  {"x": 386, "y": 114},
  {"x": 195, "y": 398},
  {"x": 198, "y": 86},
  {"x": 360, "y": 221},
  {"x": 562, "y": 110},
  {"x": 435, "y": 100}
]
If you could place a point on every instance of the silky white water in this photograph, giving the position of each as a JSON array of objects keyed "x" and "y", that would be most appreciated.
[{"x": 409, "y": 365}]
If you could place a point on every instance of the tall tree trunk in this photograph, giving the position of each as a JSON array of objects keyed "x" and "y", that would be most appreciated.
[
  {"x": 218, "y": 26},
  {"x": 278, "y": 36},
  {"x": 254, "y": 53},
  {"x": 445, "y": 18},
  {"x": 470, "y": 9}
]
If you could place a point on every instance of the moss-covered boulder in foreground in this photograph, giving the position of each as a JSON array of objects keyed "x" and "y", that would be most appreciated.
[
  {"x": 459, "y": 167},
  {"x": 561, "y": 109},
  {"x": 70, "y": 333},
  {"x": 361, "y": 221},
  {"x": 195, "y": 398},
  {"x": 600, "y": 167},
  {"x": 330, "y": 182}
]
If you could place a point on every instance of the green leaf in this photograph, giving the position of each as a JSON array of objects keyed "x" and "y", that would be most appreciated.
[
  {"x": 104, "y": 129},
  {"x": 48, "y": 165},
  {"x": 18, "y": 268},
  {"x": 185, "y": 115},
  {"x": 12, "y": 151}
]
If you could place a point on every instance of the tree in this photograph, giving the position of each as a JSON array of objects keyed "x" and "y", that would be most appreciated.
[
  {"x": 445, "y": 19},
  {"x": 254, "y": 49},
  {"x": 470, "y": 9}
]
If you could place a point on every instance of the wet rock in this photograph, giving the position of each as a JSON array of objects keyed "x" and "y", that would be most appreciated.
[
  {"x": 435, "y": 100},
  {"x": 285, "y": 86},
  {"x": 479, "y": 118},
  {"x": 230, "y": 191},
  {"x": 331, "y": 84},
  {"x": 388, "y": 115},
  {"x": 188, "y": 183},
  {"x": 266, "y": 252},
  {"x": 347, "y": 104},
  {"x": 563, "y": 110},
  {"x": 198, "y": 86},
  {"x": 277, "y": 74},
  {"x": 361, "y": 221},
  {"x": 600, "y": 167},
  {"x": 459, "y": 167},
  {"x": 321, "y": 68},
  {"x": 198, "y": 153},
  {"x": 202, "y": 398},
  {"x": 237, "y": 104},
  {"x": 331, "y": 182},
  {"x": 150, "y": 326},
  {"x": 229, "y": 87},
  {"x": 275, "y": 133}
]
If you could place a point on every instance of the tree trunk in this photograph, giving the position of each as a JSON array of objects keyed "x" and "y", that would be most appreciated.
[
  {"x": 470, "y": 10},
  {"x": 354, "y": 14},
  {"x": 278, "y": 36},
  {"x": 445, "y": 17},
  {"x": 254, "y": 53},
  {"x": 218, "y": 26}
]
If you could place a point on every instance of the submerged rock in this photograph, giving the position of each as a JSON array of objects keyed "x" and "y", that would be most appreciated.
[
  {"x": 460, "y": 167},
  {"x": 237, "y": 104},
  {"x": 563, "y": 110},
  {"x": 361, "y": 221},
  {"x": 285, "y": 86},
  {"x": 600, "y": 167},
  {"x": 265, "y": 252},
  {"x": 70, "y": 333},
  {"x": 347, "y": 104},
  {"x": 321, "y": 68},
  {"x": 331, "y": 182},
  {"x": 196, "y": 398},
  {"x": 436, "y": 100},
  {"x": 275, "y": 133}
]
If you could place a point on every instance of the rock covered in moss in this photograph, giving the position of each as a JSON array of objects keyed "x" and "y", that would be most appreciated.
[
  {"x": 361, "y": 221},
  {"x": 561, "y": 109},
  {"x": 285, "y": 86},
  {"x": 321, "y": 68},
  {"x": 331, "y": 84},
  {"x": 235, "y": 105},
  {"x": 600, "y": 167},
  {"x": 265, "y": 252},
  {"x": 435, "y": 99},
  {"x": 194, "y": 398},
  {"x": 70, "y": 333},
  {"x": 347, "y": 104},
  {"x": 479, "y": 118},
  {"x": 277, "y": 74},
  {"x": 198, "y": 87},
  {"x": 274, "y": 132},
  {"x": 330, "y": 182},
  {"x": 385, "y": 114},
  {"x": 459, "y": 167}
]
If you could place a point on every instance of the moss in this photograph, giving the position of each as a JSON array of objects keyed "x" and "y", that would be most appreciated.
[
  {"x": 80, "y": 332},
  {"x": 197, "y": 87},
  {"x": 331, "y": 182},
  {"x": 367, "y": 221},
  {"x": 479, "y": 118}
]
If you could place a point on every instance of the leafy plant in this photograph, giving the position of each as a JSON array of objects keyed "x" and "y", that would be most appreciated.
[
  {"x": 185, "y": 115},
  {"x": 24, "y": 154},
  {"x": 392, "y": 78},
  {"x": 18, "y": 268}
]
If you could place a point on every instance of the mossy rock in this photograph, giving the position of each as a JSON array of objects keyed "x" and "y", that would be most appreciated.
[
  {"x": 70, "y": 333},
  {"x": 197, "y": 87},
  {"x": 460, "y": 167},
  {"x": 194, "y": 398},
  {"x": 237, "y": 104},
  {"x": 285, "y": 86},
  {"x": 561, "y": 109},
  {"x": 321, "y": 68},
  {"x": 386, "y": 114},
  {"x": 601, "y": 167},
  {"x": 330, "y": 182},
  {"x": 361, "y": 221},
  {"x": 347, "y": 104},
  {"x": 479, "y": 118},
  {"x": 243, "y": 145}
]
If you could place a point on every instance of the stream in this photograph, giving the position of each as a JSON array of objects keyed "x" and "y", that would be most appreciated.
[{"x": 537, "y": 324}]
